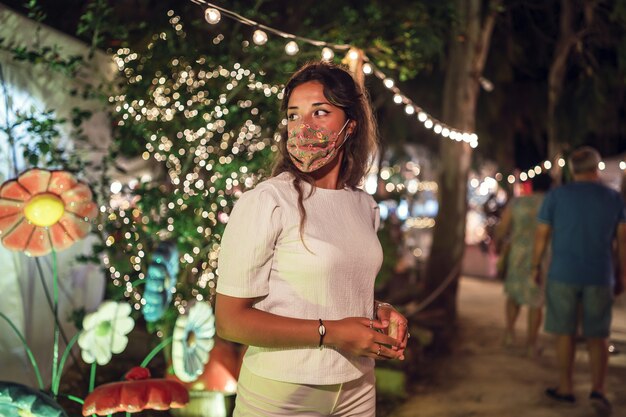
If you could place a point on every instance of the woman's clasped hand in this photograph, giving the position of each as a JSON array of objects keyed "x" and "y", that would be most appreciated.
[{"x": 355, "y": 336}]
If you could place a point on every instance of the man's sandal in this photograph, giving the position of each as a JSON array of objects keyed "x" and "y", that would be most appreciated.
[{"x": 554, "y": 394}]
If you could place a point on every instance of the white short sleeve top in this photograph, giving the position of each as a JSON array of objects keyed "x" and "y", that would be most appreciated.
[{"x": 263, "y": 257}]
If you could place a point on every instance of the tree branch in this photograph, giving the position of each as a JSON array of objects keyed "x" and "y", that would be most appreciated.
[{"x": 482, "y": 47}]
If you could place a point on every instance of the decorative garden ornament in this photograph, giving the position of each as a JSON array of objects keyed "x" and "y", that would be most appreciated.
[
  {"x": 193, "y": 340},
  {"x": 136, "y": 393},
  {"x": 20, "y": 400},
  {"x": 207, "y": 394},
  {"x": 160, "y": 281},
  {"x": 43, "y": 210},
  {"x": 104, "y": 332}
]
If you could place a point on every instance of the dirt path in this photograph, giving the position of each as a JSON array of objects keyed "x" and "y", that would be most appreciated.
[{"x": 481, "y": 378}]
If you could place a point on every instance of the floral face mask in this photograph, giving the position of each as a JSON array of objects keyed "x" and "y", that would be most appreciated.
[{"x": 310, "y": 148}]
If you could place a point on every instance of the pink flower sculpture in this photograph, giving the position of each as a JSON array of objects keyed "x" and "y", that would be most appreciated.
[{"x": 43, "y": 210}]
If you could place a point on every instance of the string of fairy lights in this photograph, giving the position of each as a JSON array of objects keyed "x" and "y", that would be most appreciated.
[
  {"x": 543, "y": 167},
  {"x": 213, "y": 15}
]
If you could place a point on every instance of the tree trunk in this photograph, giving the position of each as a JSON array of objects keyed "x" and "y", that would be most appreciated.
[
  {"x": 568, "y": 38},
  {"x": 468, "y": 52},
  {"x": 556, "y": 75}
]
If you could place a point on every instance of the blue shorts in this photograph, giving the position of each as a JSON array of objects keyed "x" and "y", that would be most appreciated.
[{"x": 562, "y": 304}]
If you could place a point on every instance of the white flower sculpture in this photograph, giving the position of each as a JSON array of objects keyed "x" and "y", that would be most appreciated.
[
  {"x": 193, "y": 340},
  {"x": 104, "y": 332}
]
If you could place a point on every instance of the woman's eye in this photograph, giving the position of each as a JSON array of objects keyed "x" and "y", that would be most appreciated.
[
  {"x": 320, "y": 112},
  {"x": 292, "y": 116}
]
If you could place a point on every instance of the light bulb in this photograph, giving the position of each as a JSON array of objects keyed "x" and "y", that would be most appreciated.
[
  {"x": 291, "y": 48},
  {"x": 327, "y": 54},
  {"x": 367, "y": 68},
  {"x": 397, "y": 98},
  {"x": 259, "y": 37},
  {"x": 212, "y": 15},
  {"x": 445, "y": 132},
  {"x": 547, "y": 164},
  {"x": 421, "y": 116},
  {"x": 428, "y": 124},
  {"x": 388, "y": 82},
  {"x": 409, "y": 109}
]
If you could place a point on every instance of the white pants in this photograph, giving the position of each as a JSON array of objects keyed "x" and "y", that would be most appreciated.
[{"x": 262, "y": 397}]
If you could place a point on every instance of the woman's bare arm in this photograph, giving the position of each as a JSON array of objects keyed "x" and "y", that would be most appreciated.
[{"x": 237, "y": 320}]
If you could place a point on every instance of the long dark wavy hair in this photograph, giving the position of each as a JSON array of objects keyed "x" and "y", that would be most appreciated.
[{"x": 341, "y": 90}]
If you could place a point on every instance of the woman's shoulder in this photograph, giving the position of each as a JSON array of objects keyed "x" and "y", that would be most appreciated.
[
  {"x": 272, "y": 188},
  {"x": 364, "y": 196}
]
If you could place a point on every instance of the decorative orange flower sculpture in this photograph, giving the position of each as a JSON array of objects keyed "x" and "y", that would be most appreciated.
[
  {"x": 137, "y": 393},
  {"x": 43, "y": 210}
]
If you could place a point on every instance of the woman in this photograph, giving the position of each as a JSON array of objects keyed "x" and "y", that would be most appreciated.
[
  {"x": 518, "y": 225},
  {"x": 298, "y": 261}
]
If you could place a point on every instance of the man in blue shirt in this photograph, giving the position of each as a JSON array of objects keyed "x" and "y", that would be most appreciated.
[{"x": 582, "y": 219}]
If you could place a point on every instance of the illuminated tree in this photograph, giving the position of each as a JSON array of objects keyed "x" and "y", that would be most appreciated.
[{"x": 207, "y": 125}]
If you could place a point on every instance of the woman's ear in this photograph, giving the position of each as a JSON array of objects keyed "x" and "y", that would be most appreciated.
[{"x": 351, "y": 126}]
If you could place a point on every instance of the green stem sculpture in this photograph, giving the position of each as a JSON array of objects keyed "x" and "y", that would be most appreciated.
[{"x": 31, "y": 357}]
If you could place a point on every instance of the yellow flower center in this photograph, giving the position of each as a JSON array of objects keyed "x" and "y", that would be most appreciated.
[
  {"x": 191, "y": 339},
  {"x": 44, "y": 209}
]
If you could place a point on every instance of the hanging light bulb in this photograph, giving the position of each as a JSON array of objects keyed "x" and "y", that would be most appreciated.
[
  {"x": 388, "y": 82},
  {"x": 291, "y": 48},
  {"x": 327, "y": 54},
  {"x": 409, "y": 109},
  {"x": 421, "y": 116},
  {"x": 367, "y": 68},
  {"x": 212, "y": 15},
  {"x": 259, "y": 37},
  {"x": 397, "y": 98}
]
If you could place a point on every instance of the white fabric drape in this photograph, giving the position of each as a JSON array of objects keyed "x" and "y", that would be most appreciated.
[{"x": 28, "y": 88}]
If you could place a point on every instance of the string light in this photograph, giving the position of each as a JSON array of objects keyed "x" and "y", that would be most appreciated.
[
  {"x": 292, "y": 48},
  {"x": 259, "y": 37},
  {"x": 212, "y": 15},
  {"x": 547, "y": 166},
  {"x": 327, "y": 54}
]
